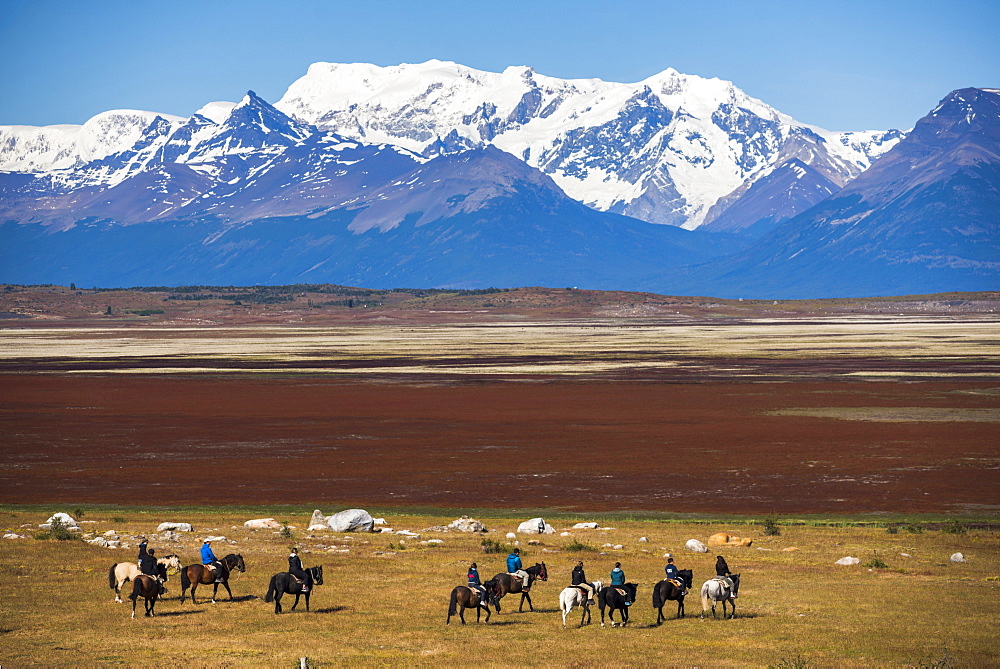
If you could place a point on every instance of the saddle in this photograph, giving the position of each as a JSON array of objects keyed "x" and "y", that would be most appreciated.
[
  {"x": 622, "y": 591},
  {"x": 678, "y": 583}
]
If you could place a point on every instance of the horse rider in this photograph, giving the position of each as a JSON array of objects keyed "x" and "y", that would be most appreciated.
[
  {"x": 722, "y": 571},
  {"x": 515, "y": 568},
  {"x": 296, "y": 570},
  {"x": 579, "y": 579},
  {"x": 148, "y": 565},
  {"x": 618, "y": 578},
  {"x": 476, "y": 584},
  {"x": 208, "y": 558},
  {"x": 674, "y": 574}
]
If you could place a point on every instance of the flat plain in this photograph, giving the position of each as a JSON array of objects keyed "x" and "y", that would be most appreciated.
[{"x": 668, "y": 417}]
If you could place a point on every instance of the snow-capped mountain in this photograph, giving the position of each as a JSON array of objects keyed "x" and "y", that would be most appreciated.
[
  {"x": 674, "y": 148},
  {"x": 664, "y": 150}
]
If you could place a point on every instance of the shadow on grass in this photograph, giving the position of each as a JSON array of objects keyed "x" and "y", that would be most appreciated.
[
  {"x": 503, "y": 623},
  {"x": 171, "y": 614},
  {"x": 331, "y": 609},
  {"x": 555, "y": 610}
]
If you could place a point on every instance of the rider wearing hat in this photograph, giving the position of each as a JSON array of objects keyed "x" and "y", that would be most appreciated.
[
  {"x": 148, "y": 565},
  {"x": 208, "y": 558},
  {"x": 722, "y": 571},
  {"x": 476, "y": 584},
  {"x": 296, "y": 570}
]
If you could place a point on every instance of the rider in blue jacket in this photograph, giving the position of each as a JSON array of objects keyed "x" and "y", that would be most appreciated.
[
  {"x": 515, "y": 568},
  {"x": 208, "y": 557}
]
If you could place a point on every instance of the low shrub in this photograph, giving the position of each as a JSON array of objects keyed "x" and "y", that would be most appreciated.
[
  {"x": 797, "y": 662},
  {"x": 494, "y": 546},
  {"x": 285, "y": 531},
  {"x": 954, "y": 527},
  {"x": 576, "y": 546},
  {"x": 59, "y": 532},
  {"x": 892, "y": 529},
  {"x": 771, "y": 527},
  {"x": 914, "y": 529},
  {"x": 876, "y": 563}
]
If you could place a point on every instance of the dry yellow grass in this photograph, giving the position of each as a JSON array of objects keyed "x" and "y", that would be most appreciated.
[{"x": 386, "y": 606}]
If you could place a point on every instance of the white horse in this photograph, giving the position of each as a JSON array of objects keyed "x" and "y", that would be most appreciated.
[
  {"x": 717, "y": 590},
  {"x": 574, "y": 596},
  {"x": 127, "y": 571}
]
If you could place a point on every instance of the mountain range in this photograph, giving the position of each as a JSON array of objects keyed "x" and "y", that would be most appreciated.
[{"x": 440, "y": 175}]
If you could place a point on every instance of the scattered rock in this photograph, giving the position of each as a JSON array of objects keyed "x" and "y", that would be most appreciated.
[
  {"x": 466, "y": 524},
  {"x": 535, "y": 542},
  {"x": 511, "y": 535},
  {"x": 351, "y": 520},
  {"x": 847, "y": 561},
  {"x": 696, "y": 546},
  {"x": 408, "y": 533},
  {"x": 958, "y": 557},
  {"x": 385, "y": 530},
  {"x": 643, "y": 540},
  {"x": 317, "y": 522},
  {"x": 175, "y": 527},
  {"x": 436, "y": 542},
  {"x": 170, "y": 535},
  {"x": 905, "y": 555},
  {"x": 111, "y": 534},
  {"x": 585, "y": 526},
  {"x": 105, "y": 543},
  {"x": 262, "y": 524},
  {"x": 790, "y": 549},
  {"x": 214, "y": 538},
  {"x": 380, "y": 521},
  {"x": 565, "y": 534},
  {"x": 606, "y": 529},
  {"x": 14, "y": 535},
  {"x": 726, "y": 539},
  {"x": 535, "y": 526}
]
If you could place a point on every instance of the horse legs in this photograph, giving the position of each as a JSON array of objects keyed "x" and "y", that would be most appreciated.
[
  {"x": 680, "y": 607},
  {"x": 525, "y": 597},
  {"x": 308, "y": 592},
  {"x": 296, "y": 603},
  {"x": 586, "y": 612},
  {"x": 226, "y": 585},
  {"x": 277, "y": 599},
  {"x": 461, "y": 613}
]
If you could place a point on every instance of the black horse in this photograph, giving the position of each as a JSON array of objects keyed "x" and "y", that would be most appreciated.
[
  {"x": 195, "y": 574},
  {"x": 283, "y": 582},
  {"x": 666, "y": 590},
  {"x": 148, "y": 588},
  {"x": 512, "y": 584},
  {"x": 613, "y": 598}
]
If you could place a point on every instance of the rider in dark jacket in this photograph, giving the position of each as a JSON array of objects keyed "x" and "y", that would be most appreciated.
[
  {"x": 579, "y": 578},
  {"x": 148, "y": 565},
  {"x": 296, "y": 570},
  {"x": 722, "y": 570},
  {"x": 476, "y": 584}
]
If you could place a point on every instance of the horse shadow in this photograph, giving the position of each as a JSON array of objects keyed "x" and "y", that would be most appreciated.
[
  {"x": 332, "y": 609},
  {"x": 541, "y": 610},
  {"x": 501, "y": 623},
  {"x": 245, "y": 598},
  {"x": 170, "y": 614}
]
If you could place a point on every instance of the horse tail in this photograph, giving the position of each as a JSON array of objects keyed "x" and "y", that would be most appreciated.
[
  {"x": 706, "y": 604},
  {"x": 269, "y": 597},
  {"x": 136, "y": 588},
  {"x": 657, "y": 598},
  {"x": 453, "y": 604},
  {"x": 112, "y": 581},
  {"x": 185, "y": 579}
]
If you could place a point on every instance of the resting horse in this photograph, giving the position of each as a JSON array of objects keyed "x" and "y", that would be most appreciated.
[
  {"x": 463, "y": 597},
  {"x": 194, "y": 575},
  {"x": 148, "y": 588},
  {"x": 576, "y": 596},
  {"x": 666, "y": 590},
  {"x": 613, "y": 598},
  {"x": 512, "y": 584},
  {"x": 283, "y": 582},
  {"x": 127, "y": 571},
  {"x": 717, "y": 590}
]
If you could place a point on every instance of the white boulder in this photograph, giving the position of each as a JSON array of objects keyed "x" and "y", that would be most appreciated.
[
  {"x": 643, "y": 540},
  {"x": 535, "y": 526},
  {"x": 511, "y": 535},
  {"x": 848, "y": 561},
  {"x": 67, "y": 521},
  {"x": 696, "y": 546},
  {"x": 215, "y": 538},
  {"x": 318, "y": 521},
  {"x": 958, "y": 557},
  {"x": 565, "y": 534},
  {"x": 466, "y": 524},
  {"x": 585, "y": 526},
  {"x": 262, "y": 524},
  {"x": 174, "y": 527},
  {"x": 351, "y": 520},
  {"x": 380, "y": 521}
]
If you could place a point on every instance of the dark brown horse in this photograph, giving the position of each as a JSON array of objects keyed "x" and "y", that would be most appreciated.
[
  {"x": 198, "y": 574},
  {"x": 148, "y": 588},
  {"x": 512, "y": 584},
  {"x": 666, "y": 590},
  {"x": 283, "y": 582},
  {"x": 464, "y": 597}
]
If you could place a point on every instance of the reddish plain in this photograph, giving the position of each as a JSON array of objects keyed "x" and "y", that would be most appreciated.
[{"x": 667, "y": 445}]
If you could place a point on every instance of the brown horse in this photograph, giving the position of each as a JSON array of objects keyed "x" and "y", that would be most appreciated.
[
  {"x": 512, "y": 584},
  {"x": 464, "y": 597},
  {"x": 666, "y": 590},
  {"x": 198, "y": 574},
  {"x": 148, "y": 588}
]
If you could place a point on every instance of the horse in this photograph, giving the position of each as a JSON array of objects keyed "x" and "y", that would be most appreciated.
[
  {"x": 716, "y": 590},
  {"x": 127, "y": 571},
  {"x": 666, "y": 590},
  {"x": 512, "y": 584},
  {"x": 283, "y": 582},
  {"x": 575, "y": 596},
  {"x": 194, "y": 575},
  {"x": 612, "y": 598},
  {"x": 148, "y": 588},
  {"x": 464, "y": 597}
]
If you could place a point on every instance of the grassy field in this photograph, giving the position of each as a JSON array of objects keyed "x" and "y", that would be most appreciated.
[{"x": 385, "y": 597}]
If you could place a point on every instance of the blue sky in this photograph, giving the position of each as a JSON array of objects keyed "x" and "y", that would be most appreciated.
[{"x": 841, "y": 65}]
